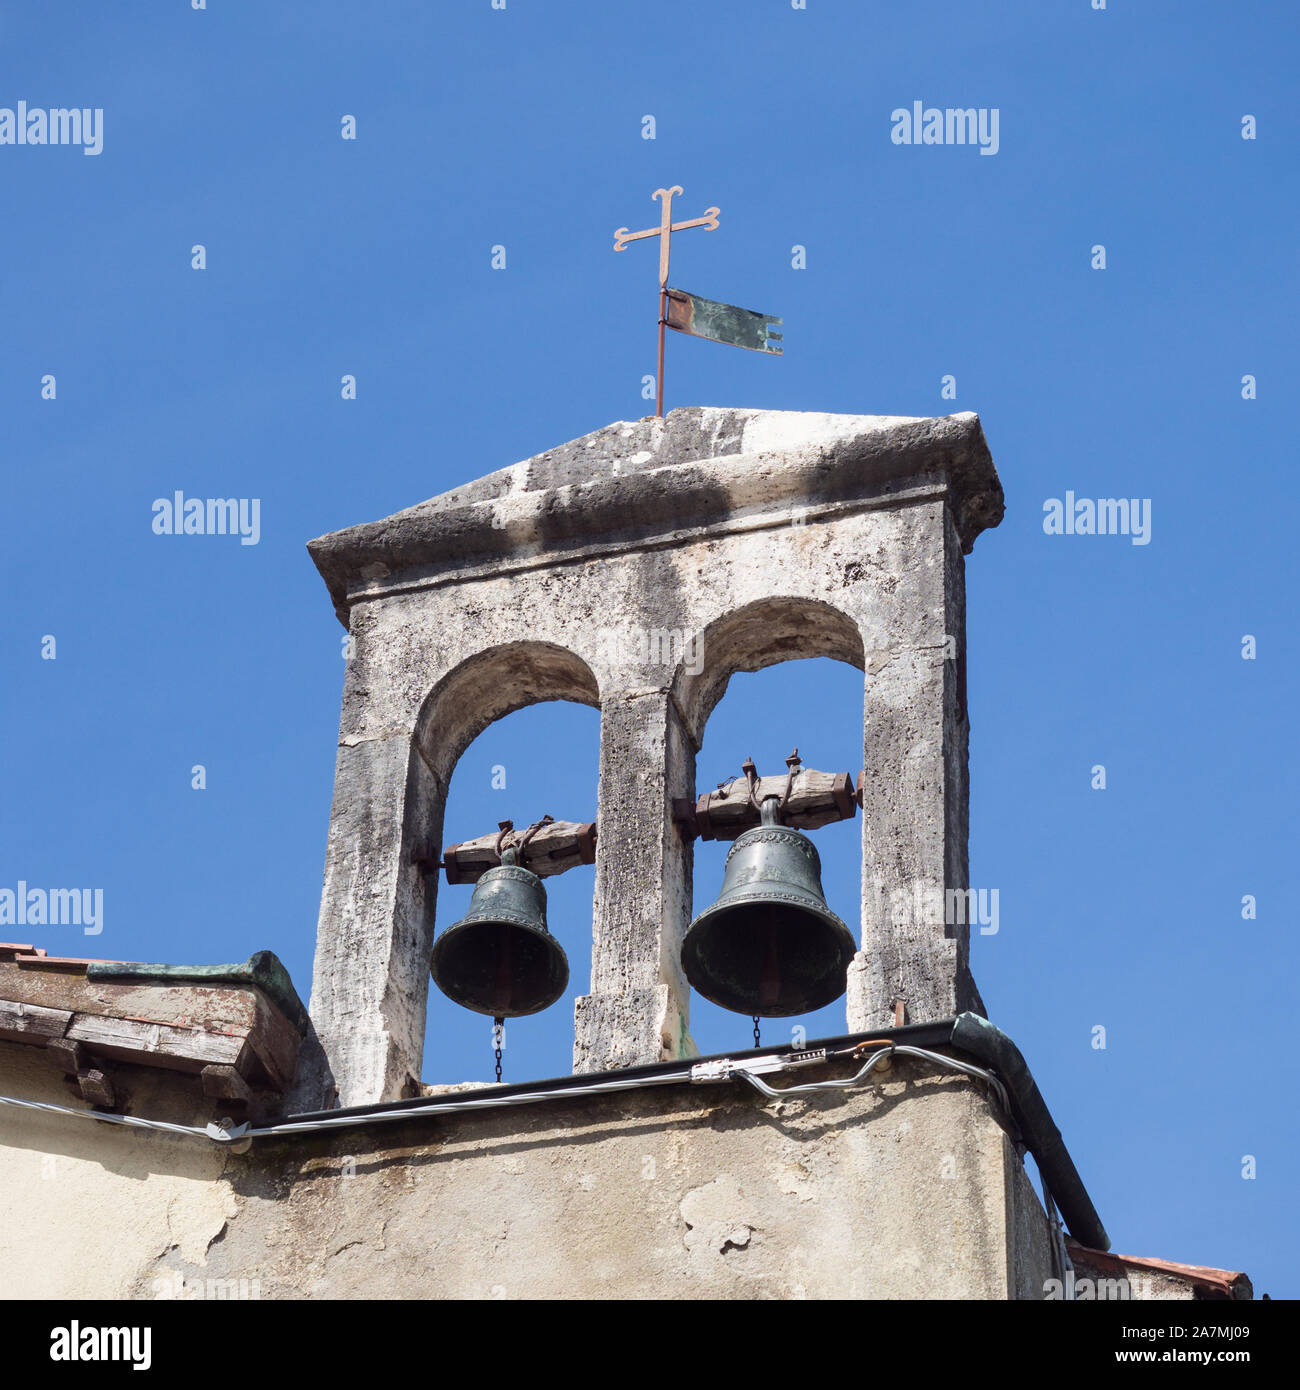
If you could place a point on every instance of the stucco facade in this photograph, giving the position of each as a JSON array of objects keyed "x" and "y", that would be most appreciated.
[{"x": 908, "y": 1188}]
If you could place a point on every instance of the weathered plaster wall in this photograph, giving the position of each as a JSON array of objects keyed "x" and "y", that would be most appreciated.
[
  {"x": 1029, "y": 1238},
  {"x": 89, "y": 1210},
  {"x": 896, "y": 1190}
]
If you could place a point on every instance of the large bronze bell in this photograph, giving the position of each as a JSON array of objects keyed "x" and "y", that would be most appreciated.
[
  {"x": 769, "y": 946},
  {"x": 499, "y": 959}
]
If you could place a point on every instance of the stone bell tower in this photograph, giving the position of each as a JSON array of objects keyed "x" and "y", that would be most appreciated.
[
  {"x": 634, "y": 570},
  {"x": 746, "y": 538}
]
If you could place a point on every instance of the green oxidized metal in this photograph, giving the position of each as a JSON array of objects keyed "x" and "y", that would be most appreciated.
[
  {"x": 722, "y": 323},
  {"x": 262, "y": 969},
  {"x": 500, "y": 959},
  {"x": 769, "y": 946}
]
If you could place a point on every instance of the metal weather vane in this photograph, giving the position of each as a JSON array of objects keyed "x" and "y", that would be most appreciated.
[{"x": 691, "y": 313}]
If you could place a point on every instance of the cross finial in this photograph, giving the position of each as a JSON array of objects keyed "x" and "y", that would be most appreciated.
[{"x": 664, "y": 232}]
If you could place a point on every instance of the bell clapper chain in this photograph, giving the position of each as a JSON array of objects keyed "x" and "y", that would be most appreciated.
[
  {"x": 498, "y": 1037},
  {"x": 770, "y": 811}
]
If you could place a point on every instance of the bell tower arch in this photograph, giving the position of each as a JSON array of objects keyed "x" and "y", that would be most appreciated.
[{"x": 637, "y": 569}]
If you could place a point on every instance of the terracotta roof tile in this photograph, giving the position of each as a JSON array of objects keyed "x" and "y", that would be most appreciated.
[
  {"x": 57, "y": 962},
  {"x": 1222, "y": 1283}
]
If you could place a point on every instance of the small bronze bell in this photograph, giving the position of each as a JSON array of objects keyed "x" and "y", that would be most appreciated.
[
  {"x": 499, "y": 959},
  {"x": 769, "y": 946}
]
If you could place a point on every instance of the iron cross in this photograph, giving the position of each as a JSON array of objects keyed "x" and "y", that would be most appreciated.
[{"x": 664, "y": 232}]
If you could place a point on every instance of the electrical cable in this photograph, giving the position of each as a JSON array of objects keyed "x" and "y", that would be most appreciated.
[{"x": 721, "y": 1070}]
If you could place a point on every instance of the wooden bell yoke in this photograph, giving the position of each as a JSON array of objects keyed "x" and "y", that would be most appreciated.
[{"x": 808, "y": 799}]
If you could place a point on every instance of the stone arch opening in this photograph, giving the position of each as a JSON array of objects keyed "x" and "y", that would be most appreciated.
[
  {"x": 776, "y": 674},
  {"x": 497, "y": 689},
  {"x": 488, "y": 686},
  {"x": 540, "y": 759},
  {"x": 816, "y": 705},
  {"x": 755, "y": 636}
]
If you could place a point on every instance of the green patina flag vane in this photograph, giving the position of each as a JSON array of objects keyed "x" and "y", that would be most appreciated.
[{"x": 691, "y": 313}]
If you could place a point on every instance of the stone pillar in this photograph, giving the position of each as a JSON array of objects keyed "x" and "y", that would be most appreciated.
[
  {"x": 370, "y": 981},
  {"x": 915, "y": 811},
  {"x": 639, "y": 1006}
]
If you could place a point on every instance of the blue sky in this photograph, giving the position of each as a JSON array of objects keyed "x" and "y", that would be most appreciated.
[{"x": 476, "y": 127}]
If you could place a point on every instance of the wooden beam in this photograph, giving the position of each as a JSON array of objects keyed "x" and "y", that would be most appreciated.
[
  {"x": 225, "y": 1083},
  {"x": 31, "y": 1023},
  {"x": 156, "y": 1044},
  {"x": 816, "y": 798},
  {"x": 96, "y": 1087},
  {"x": 554, "y": 848},
  {"x": 71, "y": 1056}
]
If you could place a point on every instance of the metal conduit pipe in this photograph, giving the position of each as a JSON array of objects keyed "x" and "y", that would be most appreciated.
[{"x": 990, "y": 1045}]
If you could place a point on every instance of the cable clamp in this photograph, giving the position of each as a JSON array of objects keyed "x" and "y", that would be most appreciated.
[
  {"x": 226, "y": 1131},
  {"x": 713, "y": 1071},
  {"x": 725, "y": 1068},
  {"x": 806, "y": 1057}
]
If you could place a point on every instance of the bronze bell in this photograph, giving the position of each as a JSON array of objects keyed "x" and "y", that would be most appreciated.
[
  {"x": 499, "y": 959},
  {"x": 769, "y": 946}
]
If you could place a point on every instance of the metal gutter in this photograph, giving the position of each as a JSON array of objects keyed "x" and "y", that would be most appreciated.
[
  {"x": 989, "y": 1044},
  {"x": 919, "y": 1034}
]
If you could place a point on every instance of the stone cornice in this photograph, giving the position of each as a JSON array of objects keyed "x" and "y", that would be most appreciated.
[{"x": 633, "y": 484}]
